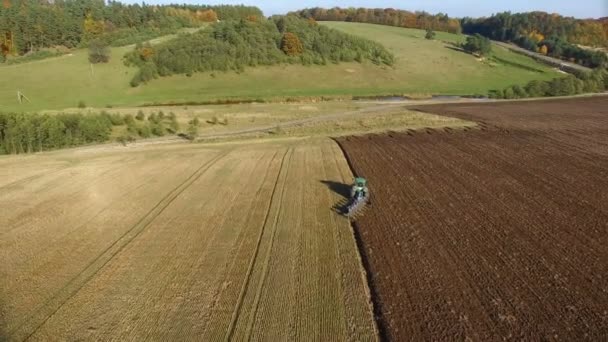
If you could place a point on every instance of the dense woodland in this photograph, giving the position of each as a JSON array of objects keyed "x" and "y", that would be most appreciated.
[
  {"x": 27, "y": 26},
  {"x": 236, "y": 44}
]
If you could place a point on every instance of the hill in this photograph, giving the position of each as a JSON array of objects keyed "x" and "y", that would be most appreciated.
[{"x": 422, "y": 66}]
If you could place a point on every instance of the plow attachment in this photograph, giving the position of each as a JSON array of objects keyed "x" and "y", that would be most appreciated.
[{"x": 353, "y": 208}]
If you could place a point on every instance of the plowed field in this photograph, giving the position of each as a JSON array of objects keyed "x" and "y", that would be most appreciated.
[
  {"x": 180, "y": 243},
  {"x": 492, "y": 233}
]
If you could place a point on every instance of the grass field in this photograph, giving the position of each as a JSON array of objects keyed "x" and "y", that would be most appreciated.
[
  {"x": 332, "y": 118},
  {"x": 422, "y": 67},
  {"x": 180, "y": 242}
]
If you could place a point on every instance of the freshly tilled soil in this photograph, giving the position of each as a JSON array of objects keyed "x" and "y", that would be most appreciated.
[{"x": 495, "y": 233}]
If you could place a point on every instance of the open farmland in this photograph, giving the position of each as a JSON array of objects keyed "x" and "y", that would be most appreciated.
[
  {"x": 492, "y": 233},
  {"x": 180, "y": 242},
  {"x": 423, "y": 67}
]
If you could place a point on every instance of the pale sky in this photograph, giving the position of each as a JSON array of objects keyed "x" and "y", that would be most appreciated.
[{"x": 454, "y": 8}]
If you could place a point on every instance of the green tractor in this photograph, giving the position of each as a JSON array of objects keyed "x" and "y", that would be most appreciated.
[{"x": 359, "y": 197}]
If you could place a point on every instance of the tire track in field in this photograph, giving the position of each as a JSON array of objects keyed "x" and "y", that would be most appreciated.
[
  {"x": 217, "y": 310},
  {"x": 48, "y": 309},
  {"x": 32, "y": 177},
  {"x": 244, "y": 289}
]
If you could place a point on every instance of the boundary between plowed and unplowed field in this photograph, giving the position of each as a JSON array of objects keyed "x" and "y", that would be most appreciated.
[{"x": 376, "y": 305}]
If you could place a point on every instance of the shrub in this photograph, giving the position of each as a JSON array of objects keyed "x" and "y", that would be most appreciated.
[
  {"x": 430, "y": 35},
  {"x": 98, "y": 52},
  {"x": 154, "y": 118},
  {"x": 128, "y": 119},
  {"x": 157, "y": 129},
  {"x": 116, "y": 119},
  {"x": 82, "y": 104},
  {"x": 144, "y": 131},
  {"x": 478, "y": 44},
  {"x": 519, "y": 92},
  {"x": 140, "y": 115},
  {"x": 193, "y": 129},
  {"x": 509, "y": 94}
]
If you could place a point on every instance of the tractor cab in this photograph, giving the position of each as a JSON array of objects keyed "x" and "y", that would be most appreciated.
[
  {"x": 361, "y": 182},
  {"x": 359, "y": 189},
  {"x": 359, "y": 196}
]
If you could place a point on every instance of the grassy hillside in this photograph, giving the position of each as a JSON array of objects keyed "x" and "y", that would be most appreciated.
[{"x": 422, "y": 67}]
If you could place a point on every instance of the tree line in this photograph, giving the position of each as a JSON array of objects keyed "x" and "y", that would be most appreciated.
[
  {"x": 549, "y": 34},
  {"x": 579, "y": 83},
  {"x": 236, "y": 44},
  {"x": 33, "y": 132},
  {"x": 385, "y": 16},
  {"x": 27, "y": 26}
]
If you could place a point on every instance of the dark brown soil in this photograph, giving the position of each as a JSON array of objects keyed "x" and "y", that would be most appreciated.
[{"x": 496, "y": 233}]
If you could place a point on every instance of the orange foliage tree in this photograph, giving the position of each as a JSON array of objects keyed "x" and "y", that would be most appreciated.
[
  {"x": 291, "y": 44},
  {"x": 208, "y": 16}
]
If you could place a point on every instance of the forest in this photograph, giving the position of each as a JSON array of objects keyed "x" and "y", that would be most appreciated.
[
  {"x": 27, "y": 26},
  {"x": 236, "y": 44}
]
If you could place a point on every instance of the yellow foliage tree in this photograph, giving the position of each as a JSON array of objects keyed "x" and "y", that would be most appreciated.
[
  {"x": 544, "y": 50},
  {"x": 536, "y": 36},
  {"x": 291, "y": 44},
  {"x": 92, "y": 27}
]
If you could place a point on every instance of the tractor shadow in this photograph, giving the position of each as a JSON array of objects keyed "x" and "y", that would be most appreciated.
[{"x": 341, "y": 189}]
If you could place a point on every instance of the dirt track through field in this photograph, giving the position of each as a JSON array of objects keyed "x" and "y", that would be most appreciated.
[
  {"x": 492, "y": 233},
  {"x": 180, "y": 243}
]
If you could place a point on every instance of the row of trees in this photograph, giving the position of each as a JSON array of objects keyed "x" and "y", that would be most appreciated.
[
  {"x": 32, "y": 132},
  {"x": 582, "y": 82},
  {"x": 25, "y": 133},
  {"x": 236, "y": 44},
  {"x": 30, "y": 25},
  {"x": 385, "y": 16}
]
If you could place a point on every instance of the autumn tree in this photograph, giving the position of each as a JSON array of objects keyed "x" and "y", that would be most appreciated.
[
  {"x": 208, "y": 16},
  {"x": 291, "y": 44},
  {"x": 543, "y": 50}
]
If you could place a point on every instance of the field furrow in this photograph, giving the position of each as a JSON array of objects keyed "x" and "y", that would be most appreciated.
[{"x": 490, "y": 233}]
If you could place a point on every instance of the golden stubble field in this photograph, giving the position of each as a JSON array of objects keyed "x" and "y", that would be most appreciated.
[{"x": 199, "y": 242}]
